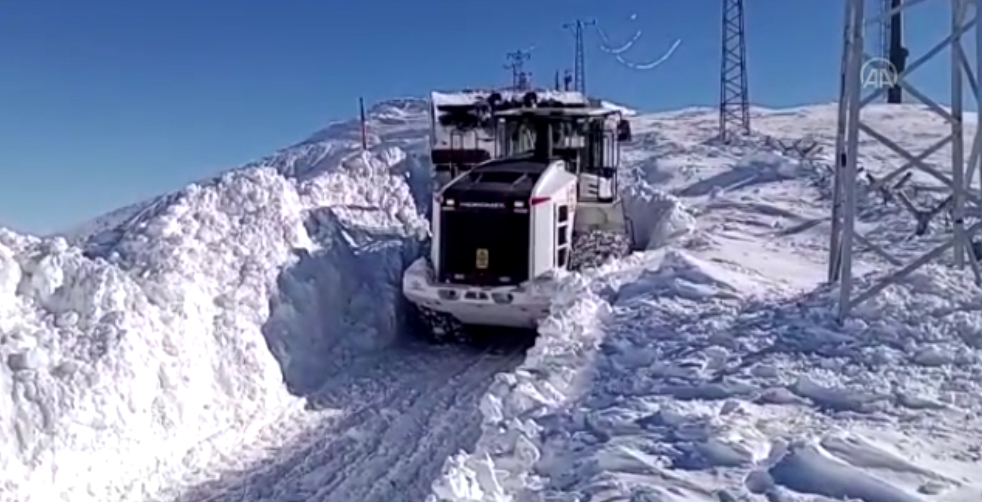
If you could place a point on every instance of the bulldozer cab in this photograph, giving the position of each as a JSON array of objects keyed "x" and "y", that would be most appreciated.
[{"x": 587, "y": 140}]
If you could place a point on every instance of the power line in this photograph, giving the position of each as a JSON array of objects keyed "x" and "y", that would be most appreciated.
[
  {"x": 734, "y": 98},
  {"x": 607, "y": 46},
  {"x": 579, "y": 60}
]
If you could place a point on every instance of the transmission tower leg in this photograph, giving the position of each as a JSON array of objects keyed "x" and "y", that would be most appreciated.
[
  {"x": 849, "y": 148},
  {"x": 838, "y": 207}
]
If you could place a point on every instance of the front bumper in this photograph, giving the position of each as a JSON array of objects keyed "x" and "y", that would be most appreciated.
[{"x": 511, "y": 306}]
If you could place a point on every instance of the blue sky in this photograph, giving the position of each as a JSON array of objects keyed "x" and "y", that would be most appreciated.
[{"x": 107, "y": 102}]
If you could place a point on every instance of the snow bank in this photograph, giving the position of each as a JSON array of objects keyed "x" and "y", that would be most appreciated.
[
  {"x": 103, "y": 374},
  {"x": 501, "y": 462},
  {"x": 656, "y": 217},
  {"x": 671, "y": 378},
  {"x": 177, "y": 328},
  {"x": 344, "y": 295}
]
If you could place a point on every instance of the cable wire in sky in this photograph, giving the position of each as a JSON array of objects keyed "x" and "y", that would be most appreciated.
[
  {"x": 605, "y": 44},
  {"x": 652, "y": 64}
]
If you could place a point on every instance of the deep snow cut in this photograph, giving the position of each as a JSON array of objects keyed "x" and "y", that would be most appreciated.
[
  {"x": 176, "y": 325},
  {"x": 703, "y": 368}
]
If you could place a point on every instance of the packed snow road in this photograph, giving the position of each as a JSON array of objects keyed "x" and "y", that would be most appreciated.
[{"x": 399, "y": 414}]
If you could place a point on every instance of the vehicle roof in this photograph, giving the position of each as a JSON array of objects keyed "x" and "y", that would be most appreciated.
[
  {"x": 469, "y": 98},
  {"x": 521, "y": 163},
  {"x": 497, "y": 179}
]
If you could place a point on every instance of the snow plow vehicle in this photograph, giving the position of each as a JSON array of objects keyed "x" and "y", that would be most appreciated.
[{"x": 545, "y": 199}]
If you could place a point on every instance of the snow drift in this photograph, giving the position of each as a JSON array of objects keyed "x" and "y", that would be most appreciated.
[{"x": 195, "y": 316}]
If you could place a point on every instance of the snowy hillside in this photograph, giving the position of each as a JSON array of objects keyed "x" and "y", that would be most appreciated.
[{"x": 242, "y": 339}]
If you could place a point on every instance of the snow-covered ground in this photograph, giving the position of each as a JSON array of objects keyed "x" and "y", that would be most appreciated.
[
  {"x": 709, "y": 368},
  {"x": 243, "y": 339}
]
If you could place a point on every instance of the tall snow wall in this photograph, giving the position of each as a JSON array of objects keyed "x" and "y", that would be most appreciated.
[{"x": 203, "y": 314}]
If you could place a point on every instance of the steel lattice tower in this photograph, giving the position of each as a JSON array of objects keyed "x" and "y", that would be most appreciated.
[
  {"x": 734, "y": 95},
  {"x": 579, "y": 60},
  {"x": 864, "y": 80}
]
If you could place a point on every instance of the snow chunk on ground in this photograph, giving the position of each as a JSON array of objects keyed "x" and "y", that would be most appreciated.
[{"x": 126, "y": 364}]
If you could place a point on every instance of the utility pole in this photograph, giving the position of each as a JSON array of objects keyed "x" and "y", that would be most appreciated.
[
  {"x": 734, "y": 95},
  {"x": 364, "y": 124},
  {"x": 579, "y": 60},
  {"x": 520, "y": 79}
]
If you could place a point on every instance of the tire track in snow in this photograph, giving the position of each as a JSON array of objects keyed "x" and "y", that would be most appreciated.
[
  {"x": 438, "y": 423},
  {"x": 402, "y": 413}
]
